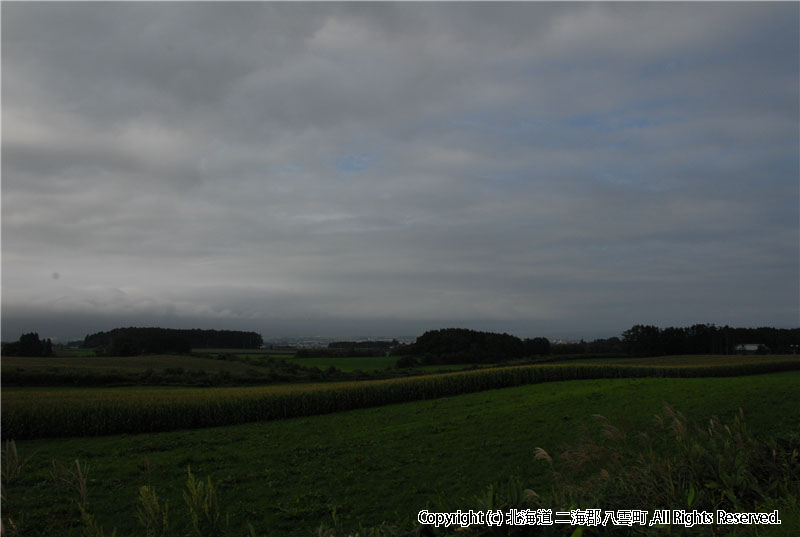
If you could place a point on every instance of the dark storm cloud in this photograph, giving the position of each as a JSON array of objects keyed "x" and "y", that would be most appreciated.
[{"x": 303, "y": 167}]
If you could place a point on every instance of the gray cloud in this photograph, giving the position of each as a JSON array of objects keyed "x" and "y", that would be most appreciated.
[{"x": 549, "y": 169}]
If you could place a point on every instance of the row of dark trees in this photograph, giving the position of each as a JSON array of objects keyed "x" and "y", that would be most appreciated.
[
  {"x": 29, "y": 345},
  {"x": 597, "y": 347},
  {"x": 133, "y": 341},
  {"x": 460, "y": 345},
  {"x": 449, "y": 345},
  {"x": 648, "y": 340}
]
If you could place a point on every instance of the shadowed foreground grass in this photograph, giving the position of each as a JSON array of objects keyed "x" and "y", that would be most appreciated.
[{"x": 372, "y": 465}]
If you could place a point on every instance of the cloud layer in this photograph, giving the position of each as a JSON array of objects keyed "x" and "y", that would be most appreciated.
[{"x": 547, "y": 169}]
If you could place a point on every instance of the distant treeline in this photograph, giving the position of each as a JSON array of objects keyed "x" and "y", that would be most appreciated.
[
  {"x": 598, "y": 347},
  {"x": 460, "y": 345},
  {"x": 646, "y": 340},
  {"x": 133, "y": 341},
  {"x": 29, "y": 345}
]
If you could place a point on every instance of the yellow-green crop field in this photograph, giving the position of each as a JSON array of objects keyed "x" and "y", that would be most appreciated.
[{"x": 50, "y": 412}]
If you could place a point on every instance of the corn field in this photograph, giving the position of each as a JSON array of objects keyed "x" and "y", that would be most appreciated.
[{"x": 39, "y": 413}]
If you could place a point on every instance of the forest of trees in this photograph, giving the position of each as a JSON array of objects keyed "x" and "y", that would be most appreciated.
[
  {"x": 133, "y": 341},
  {"x": 647, "y": 340},
  {"x": 460, "y": 345},
  {"x": 29, "y": 345},
  {"x": 445, "y": 346}
]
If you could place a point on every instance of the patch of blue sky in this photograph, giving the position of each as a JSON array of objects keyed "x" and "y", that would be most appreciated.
[
  {"x": 525, "y": 125},
  {"x": 585, "y": 121},
  {"x": 781, "y": 168},
  {"x": 557, "y": 132},
  {"x": 638, "y": 123},
  {"x": 663, "y": 66},
  {"x": 355, "y": 162},
  {"x": 635, "y": 176},
  {"x": 656, "y": 110},
  {"x": 468, "y": 123},
  {"x": 509, "y": 130},
  {"x": 621, "y": 145},
  {"x": 506, "y": 176},
  {"x": 613, "y": 122},
  {"x": 517, "y": 118}
]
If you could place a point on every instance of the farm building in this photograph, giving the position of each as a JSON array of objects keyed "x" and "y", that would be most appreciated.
[{"x": 751, "y": 348}]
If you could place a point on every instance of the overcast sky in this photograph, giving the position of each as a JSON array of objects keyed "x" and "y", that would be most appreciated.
[{"x": 559, "y": 169}]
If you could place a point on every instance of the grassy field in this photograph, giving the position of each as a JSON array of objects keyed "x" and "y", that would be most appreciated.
[
  {"x": 370, "y": 363},
  {"x": 73, "y": 353},
  {"x": 349, "y": 363},
  {"x": 268, "y": 352},
  {"x": 140, "y": 370},
  {"x": 370, "y": 465},
  {"x": 207, "y": 369},
  {"x": 696, "y": 360},
  {"x": 242, "y": 365},
  {"x": 125, "y": 364},
  {"x": 231, "y": 366},
  {"x": 32, "y": 413},
  {"x": 249, "y": 353}
]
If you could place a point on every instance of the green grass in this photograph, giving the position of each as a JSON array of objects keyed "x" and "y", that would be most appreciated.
[
  {"x": 88, "y": 369},
  {"x": 240, "y": 351},
  {"x": 175, "y": 370},
  {"x": 370, "y": 363},
  {"x": 374, "y": 464},
  {"x": 123, "y": 364},
  {"x": 450, "y": 367},
  {"x": 699, "y": 360},
  {"x": 32, "y": 414},
  {"x": 255, "y": 353},
  {"x": 353, "y": 363},
  {"x": 77, "y": 353},
  {"x": 346, "y": 363},
  {"x": 362, "y": 363}
]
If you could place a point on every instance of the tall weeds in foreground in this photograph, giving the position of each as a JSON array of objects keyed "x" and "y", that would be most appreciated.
[
  {"x": 90, "y": 527},
  {"x": 151, "y": 514},
  {"x": 680, "y": 465},
  {"x": 204, "y": 513},
  {"x": 675, "y": 465},
  {"x": 12, "y": 463},
  {"x": 73, "y": 478},
  {"x": 10, "y": 471}
]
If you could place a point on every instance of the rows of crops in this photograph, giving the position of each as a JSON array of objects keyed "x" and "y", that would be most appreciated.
[{"x": 90, "y": 412}]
